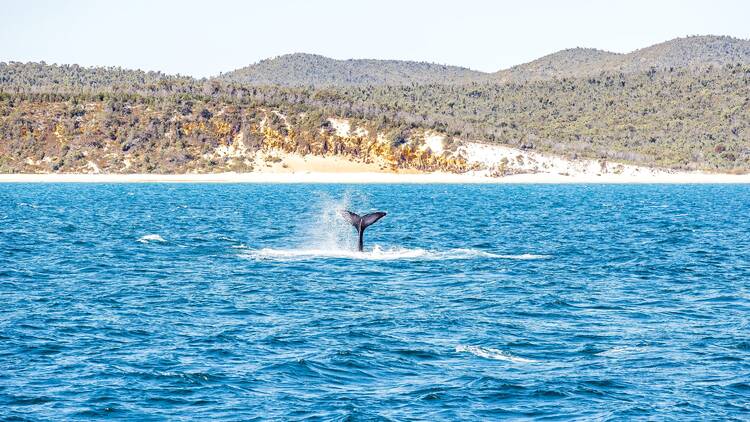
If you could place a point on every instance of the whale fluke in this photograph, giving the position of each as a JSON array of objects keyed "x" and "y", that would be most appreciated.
[{"x": 361, "y": 223}]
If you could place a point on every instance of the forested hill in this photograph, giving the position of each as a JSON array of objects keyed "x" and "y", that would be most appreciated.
[
  {"x": 689, "y": 116},
  {"x": 574, "y": 62},
  {"x": 46, "y": 78},
  {"x": 678, "y": 119},
  {"x": 308, "y": 70},
  {"x": 314, "y": 70},
  {"x": 696, "y": 52}
]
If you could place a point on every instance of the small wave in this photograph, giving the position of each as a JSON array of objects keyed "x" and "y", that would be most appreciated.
[
  {"x": 621, "y": 350},
  {"x": 151, "y": 238},
  {"x": 490, "y": 353},
  {"x": 379, "y": 254},
  {"x": 524, "y": 256}
]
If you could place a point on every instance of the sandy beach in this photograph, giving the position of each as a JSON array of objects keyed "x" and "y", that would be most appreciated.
[
  {"x": 524, "y": 166},
  {"x": 371, "y": 177}
]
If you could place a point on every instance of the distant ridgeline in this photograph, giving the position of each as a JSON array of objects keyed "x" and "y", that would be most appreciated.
[{"x": 683, "y": 104}]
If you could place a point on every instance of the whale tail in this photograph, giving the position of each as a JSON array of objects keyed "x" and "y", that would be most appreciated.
[{"x": 361, "y": 223}]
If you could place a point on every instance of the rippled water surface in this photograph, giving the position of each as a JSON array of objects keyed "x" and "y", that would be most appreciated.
[{"x": 470, "y": 302}]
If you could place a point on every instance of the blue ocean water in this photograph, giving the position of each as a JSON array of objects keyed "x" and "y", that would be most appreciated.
[{"x": 234, "y": 302}]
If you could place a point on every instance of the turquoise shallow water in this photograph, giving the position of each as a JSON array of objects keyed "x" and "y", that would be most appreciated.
[{"x": 235, "y": 302}]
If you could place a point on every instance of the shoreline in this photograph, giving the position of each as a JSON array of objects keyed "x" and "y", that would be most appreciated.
[{"x": 377, "y": 178}]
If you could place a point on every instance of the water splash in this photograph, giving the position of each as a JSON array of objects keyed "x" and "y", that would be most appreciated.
[
  {"x": 332, "y": 237},
  {"x": 151, "y": 238},
  {"x": 331, "y": 232},
  {"x": 490, "y": 353}
]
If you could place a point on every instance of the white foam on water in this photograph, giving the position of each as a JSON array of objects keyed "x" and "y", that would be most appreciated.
[
  {"x": 621, "y": 350},
  {"x": 490, "y": 353},
  {"x": 378, "y": 253},
  {"x": 526, "y": 256},
  {"x": 151, "y": 238}
]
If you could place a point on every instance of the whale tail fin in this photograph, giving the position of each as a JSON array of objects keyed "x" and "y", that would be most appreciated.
[
  {"x": 366, "y": 220},
  {"x": 361, "y": 223}
]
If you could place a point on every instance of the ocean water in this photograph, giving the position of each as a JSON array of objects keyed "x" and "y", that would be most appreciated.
[{"x": 237, "y": 302}]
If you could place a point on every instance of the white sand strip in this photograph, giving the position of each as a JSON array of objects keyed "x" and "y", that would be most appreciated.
[{"x": 371, "y": 177}]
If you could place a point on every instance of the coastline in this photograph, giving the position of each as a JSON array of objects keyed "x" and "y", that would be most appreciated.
[{"x": 378, "y": 178}]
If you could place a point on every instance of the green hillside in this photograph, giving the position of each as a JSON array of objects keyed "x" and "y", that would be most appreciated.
[
  {"x": 693, "y": 115},
  {"x": 313, "y": 70}
]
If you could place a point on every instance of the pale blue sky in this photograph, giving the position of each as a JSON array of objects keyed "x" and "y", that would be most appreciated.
[{"x": 203, "y": 38}]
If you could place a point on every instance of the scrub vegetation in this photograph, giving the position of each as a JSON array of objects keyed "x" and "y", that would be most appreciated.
[{"x": 684, "y": 104}]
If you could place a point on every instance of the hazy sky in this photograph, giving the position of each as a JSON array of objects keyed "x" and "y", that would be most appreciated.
[{"x": 203, "y": 38}]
